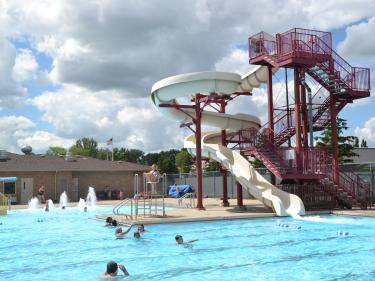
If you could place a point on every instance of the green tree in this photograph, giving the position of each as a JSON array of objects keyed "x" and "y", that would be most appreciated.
[
  {"x": 75, "y": 150},
  {"x": 88, "y": 144},
  {"x": 184, "y": 161},
  {"x": 134, "y": 155},
  {"x": 104, "y": 154},
  {"x": 166, "y": 160},
  {"x": 212, "y": 166},
  {"x": 151, "y": 158},
  {"x": 364, "y": 143},
  {"x": 56, "y": 150},
  {"x": 257, "y": 164},
  {"x": 356, "y": 142},
  {"x": 345, "y": 143}
]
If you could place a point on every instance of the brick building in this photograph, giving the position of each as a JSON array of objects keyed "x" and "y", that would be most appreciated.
[{"x": 74, "y": 174}]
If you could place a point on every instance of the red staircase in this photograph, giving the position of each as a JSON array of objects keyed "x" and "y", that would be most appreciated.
[
  {"x": 311, "y": 52},
  {"x": 281, "y": 161}
]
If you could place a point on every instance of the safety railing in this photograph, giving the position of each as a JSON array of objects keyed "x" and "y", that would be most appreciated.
[
  {"x": 313, "y": 160},
  {"x": 359, "y": 188},
  {"x": 285, "y": 120},
  {"x": 149, "y": 204},
  {"x": 128, "y": 202},
  {"x": 323, "y": 35},
  {"x": 187, "y": 196},
  {"x": 361, "y": 79},
  {"x": 262, "y": 44},
  {"x": 300, "y": 42},
  {"x": 304, "y": 43},
  {"x": 314, "y": 196}
]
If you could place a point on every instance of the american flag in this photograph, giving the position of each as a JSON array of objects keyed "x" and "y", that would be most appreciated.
[{"x": 110, "y": 141}]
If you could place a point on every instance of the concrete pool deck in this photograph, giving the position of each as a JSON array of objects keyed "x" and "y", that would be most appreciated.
[{"x": 213, "y": 211}]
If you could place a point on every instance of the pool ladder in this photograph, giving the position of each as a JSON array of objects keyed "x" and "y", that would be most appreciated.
[
  {"x": 143, "y": 204},
  {"x": 190, "y": 196}
]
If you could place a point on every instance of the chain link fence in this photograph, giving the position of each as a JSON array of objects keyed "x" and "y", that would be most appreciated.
[{"x": 213, "y": 185}]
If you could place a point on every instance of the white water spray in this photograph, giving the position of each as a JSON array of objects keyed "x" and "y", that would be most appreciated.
[
  {"x": 34, "y": 203},
  {"x": 81, "y": 203},
  {"x": 63, "y": 200},
  {"x": 50, "y": 205},
  {"x": 91, "y": 197},
  {"x": 325, "y": 220}
]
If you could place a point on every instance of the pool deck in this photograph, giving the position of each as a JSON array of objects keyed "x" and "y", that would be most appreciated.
[{"x": 213, "y": 211}]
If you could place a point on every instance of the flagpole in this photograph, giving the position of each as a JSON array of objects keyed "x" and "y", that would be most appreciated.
[{"x": 110, "y": 142}]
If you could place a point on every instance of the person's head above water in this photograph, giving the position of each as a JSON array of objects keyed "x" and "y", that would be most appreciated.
[
  {"x": 179, "y": 239},
  {"x": 108, "y": 220},
  {"x": 114, "y": 222},
  {"x": 137, "y": 234},
  {"x": 63, "y": 207},
  {"x": 141, "y": 228},
  {"x": 118, "y": 230},
  {"x": 112, "y": 267}
]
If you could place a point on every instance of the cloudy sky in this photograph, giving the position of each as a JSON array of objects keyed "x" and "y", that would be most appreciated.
[{"x": 72, "y": 69}]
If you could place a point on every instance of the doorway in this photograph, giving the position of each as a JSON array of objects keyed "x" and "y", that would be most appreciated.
[{"x": 27, "y": 188}]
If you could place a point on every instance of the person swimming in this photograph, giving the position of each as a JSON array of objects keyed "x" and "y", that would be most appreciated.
[
  {"x": 108, "y": 221},
  {"x": 114, "y": 223},
  {"x": 137, "y": 235},
  {"x": 120, "y": 234},
  {"x": 141, "y": 228},
  {"x": 180, "y": 240},
  {"x": 112, "y": 269}
]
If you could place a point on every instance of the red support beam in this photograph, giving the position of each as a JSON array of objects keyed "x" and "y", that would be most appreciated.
[
  {"x": 270, "y": 111},
  {"x": 335, "y": 149},
  {"x": 270, "y": 101},
  {"x": 305, "y": 130},
  {"x": 297, "y": 109},
  {"x": 239, "y": 195},
  {"x": 198, "y": 154},
  {"x": 223, "y": 170}
]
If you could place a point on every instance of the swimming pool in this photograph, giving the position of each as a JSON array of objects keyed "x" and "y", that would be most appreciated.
[{"x": 68, "y": 245}]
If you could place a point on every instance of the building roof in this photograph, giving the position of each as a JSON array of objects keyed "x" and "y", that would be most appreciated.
[
  {"x": 366, "y": 155},
  {"x": 34, "y": 163}
]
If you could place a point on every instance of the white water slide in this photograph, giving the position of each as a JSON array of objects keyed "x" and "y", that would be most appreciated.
[{"x": 169, "y": 90}]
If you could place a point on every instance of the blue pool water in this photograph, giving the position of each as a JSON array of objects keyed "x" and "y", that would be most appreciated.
[{"x": 69, "y": 245}]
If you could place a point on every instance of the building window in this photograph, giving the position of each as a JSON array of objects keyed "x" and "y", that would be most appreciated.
[{"x": 9, "y": 188}]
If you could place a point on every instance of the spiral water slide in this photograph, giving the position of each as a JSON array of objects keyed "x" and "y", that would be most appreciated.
[{"x": 169, "y": 90}]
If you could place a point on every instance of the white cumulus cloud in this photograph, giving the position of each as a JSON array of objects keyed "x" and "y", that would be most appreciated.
[
  {"x": 359, "y": 43},
  {"x": 25, "y": 65},
  {"x": 367, "y": 132},
  {"x": 77, "y": 112}
]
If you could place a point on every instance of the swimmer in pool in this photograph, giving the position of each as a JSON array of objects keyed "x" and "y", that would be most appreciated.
[
  {"x": 179, "y": 239},
  {"x": 141, "y": 228},
  {"x": 120, "y": 234},
  {"x": 112, "y": 269}
]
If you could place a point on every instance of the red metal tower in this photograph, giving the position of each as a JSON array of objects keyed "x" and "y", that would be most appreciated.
[{"x": 307, "y": 52}]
